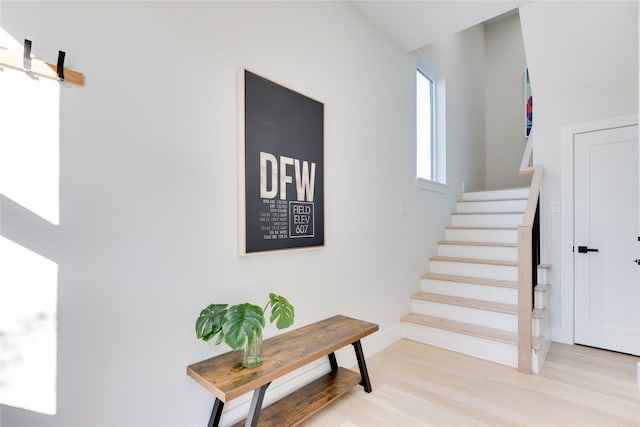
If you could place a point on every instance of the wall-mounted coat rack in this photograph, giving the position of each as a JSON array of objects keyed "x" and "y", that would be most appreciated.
[{"x": 39, "y": 67}]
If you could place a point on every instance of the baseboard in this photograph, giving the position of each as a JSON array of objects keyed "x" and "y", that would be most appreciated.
[{"x": 562, "y": 335}]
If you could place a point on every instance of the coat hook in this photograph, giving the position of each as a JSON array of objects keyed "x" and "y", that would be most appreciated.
[
  {"x": 60, "y": 66},
  {"x": 26, "y": 58}
]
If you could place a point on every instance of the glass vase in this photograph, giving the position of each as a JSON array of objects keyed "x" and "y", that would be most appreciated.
[{"x": 252, "y": 354}]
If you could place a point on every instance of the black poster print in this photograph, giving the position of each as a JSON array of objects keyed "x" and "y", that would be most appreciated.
[{"x": 283, "y": 167}]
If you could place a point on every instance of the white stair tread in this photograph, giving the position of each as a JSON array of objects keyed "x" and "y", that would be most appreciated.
[
  {"x": 492, "y": 244},
  {"x": 539, "y": 313},
  {"x": 472, "y": 280},
  {"x": 497, "y": 307},
  {"x": 463, "y": 328},
  {"x": 475, "y": 261}
]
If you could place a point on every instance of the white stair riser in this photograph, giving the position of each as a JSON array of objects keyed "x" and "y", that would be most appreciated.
[
  {"x": 480, "y": 235},
  {"x": 543, "y": 275},
  {"x": 510, "y": 193},
  {"x": 540, "y": 327},
  {"x": 491, "y": 206},
  {"x": 486, "y": 220},
  {"x": 470, "y": 290},
  {"x": 541, "y": 299},
  {"x": 486, "y": 271},
  {"x": 479, "y": 252},
  {"x": 491, "y": 319},
  {"x": 498, "y": 352}
]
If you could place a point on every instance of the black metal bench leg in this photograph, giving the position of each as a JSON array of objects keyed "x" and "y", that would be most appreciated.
[
  {"x": 363, "y": 367},
  {"x": 216, "y": 412},
  {"x": 256, "y": 406},
  {"x": 333, "y": 362}
]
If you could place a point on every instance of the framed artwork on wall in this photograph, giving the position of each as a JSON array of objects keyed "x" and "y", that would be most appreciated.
[
  {"x": 528, "y": 105},
  {"x": 281, "y": 164}
]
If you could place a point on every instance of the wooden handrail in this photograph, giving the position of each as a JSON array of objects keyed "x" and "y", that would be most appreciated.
[
  {"x": 534, "y": 193},
  {"x": 525, "y": 264}
]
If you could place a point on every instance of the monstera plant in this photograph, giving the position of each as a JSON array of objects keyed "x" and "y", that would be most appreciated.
[{"x": 240, "y": 326}]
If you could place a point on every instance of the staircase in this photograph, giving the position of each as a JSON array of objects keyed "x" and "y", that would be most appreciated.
[{"x": 468, "y": 300}]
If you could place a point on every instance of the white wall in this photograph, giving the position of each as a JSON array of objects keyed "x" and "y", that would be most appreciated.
[
  {"x": 148, "y": 188},
  {"x": 505, "y": 65},
  {"x": 461, "y": 59},
  {"x": 583, "y": 63}
]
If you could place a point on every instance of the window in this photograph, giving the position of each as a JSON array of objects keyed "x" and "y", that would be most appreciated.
[
  {"x": 430, "y": 128},
  {"x": 424, "y": 127}
]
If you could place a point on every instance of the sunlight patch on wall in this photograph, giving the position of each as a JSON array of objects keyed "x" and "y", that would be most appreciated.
[
  {"x": 29, "y": 143},
  {"x": 29, "y": 176},
  {"x": 28, "y": 301}
]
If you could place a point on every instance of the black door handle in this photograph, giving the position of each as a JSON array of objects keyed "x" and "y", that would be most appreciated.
[{"x": 584, "y": 249}]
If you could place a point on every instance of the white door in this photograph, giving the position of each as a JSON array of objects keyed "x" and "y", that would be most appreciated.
[{"x": 607, "y": 226}]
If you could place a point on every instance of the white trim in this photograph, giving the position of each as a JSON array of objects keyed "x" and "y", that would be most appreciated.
[
  {"x": 242, "y": 212},
  {"x": 426, "y": 184},
  {"x": 564, "y": 332},
  {"x": 440, "y": 117}
]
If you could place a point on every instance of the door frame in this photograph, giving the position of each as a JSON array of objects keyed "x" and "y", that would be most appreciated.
[{"x": 565, "y": 331}]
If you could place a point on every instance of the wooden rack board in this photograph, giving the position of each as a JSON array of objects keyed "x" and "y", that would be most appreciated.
[{"x": 308, "y": 400}]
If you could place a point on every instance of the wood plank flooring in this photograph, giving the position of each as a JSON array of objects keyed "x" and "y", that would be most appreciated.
[{"x": 416, "y": 384}]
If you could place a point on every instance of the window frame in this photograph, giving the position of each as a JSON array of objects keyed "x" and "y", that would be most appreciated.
[{"x": 438, "y": 181}]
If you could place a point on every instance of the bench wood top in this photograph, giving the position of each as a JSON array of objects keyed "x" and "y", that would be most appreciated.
[{"x": 225, "y": 377}]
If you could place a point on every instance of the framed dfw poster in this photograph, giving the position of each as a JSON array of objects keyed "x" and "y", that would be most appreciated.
[{"x": 280, "y": 147}]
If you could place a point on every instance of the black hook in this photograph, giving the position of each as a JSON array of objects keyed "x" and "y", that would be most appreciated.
[
  {"x": 26, "y": 58},
  {"x": 60, "y": 66}
]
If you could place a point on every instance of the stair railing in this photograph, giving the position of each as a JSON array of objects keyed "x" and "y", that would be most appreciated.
[{"x": 528, "y": 258}]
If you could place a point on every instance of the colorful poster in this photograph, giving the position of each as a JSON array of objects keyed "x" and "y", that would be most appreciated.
[{"x": 528, "y": 104}]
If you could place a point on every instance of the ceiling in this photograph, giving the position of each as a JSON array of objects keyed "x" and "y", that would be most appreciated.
[{"x": 417, "y": 23}]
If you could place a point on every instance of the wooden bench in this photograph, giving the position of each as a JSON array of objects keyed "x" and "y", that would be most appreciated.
[{"x": 227, "y": 379}]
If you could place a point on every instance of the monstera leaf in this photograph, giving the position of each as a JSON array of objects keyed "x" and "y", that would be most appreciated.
[
  {"x": 210, "y": 322},
  {"x": 282, "y": 311},
  {"x": 243, "y": 325}
]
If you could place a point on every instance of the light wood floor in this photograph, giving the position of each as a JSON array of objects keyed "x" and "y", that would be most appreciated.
[{"x": 419, "y": 385}]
